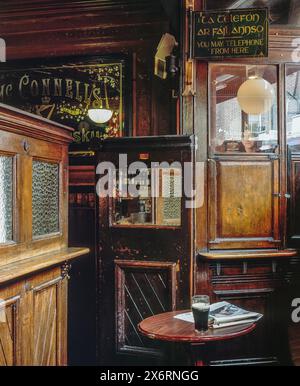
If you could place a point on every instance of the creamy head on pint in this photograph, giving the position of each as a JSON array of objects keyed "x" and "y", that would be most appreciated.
[{"x": 201, "y": 306}]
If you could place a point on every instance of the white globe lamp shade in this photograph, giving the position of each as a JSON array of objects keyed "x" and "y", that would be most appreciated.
[
  {"x": 100, "y": 115},
  {"x": 256, "y": 96}
]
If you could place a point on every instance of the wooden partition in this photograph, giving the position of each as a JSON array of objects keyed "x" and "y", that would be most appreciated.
[
  {"x": 247, "y": 230},
  {"x": 34, "y": 253},
  {"x": 145, "y": 266}
]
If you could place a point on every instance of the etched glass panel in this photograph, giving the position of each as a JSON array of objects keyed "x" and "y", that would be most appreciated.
[
  {"x": 45, "y": 198},
  {"x": 171, "y": 202},
  {"x": 6, "y": 199}
]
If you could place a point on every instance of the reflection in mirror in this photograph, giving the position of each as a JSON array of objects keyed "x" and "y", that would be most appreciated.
[
  {"x": 6, "y": 199},
  {"x": 151, "y": 198},
  {"x": 293, "y": 106},
  {"x": 243, "y": 108}
]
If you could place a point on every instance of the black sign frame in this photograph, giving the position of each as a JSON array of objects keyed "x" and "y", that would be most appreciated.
[
  {"x": 32, "y": 67},
  {"x": 219, "y": 34}
]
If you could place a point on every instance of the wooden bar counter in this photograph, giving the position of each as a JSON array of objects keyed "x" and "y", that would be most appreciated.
[{"x": 34, "y": 253}]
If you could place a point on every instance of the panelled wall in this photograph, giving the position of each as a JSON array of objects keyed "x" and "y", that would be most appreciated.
[
  {"x": 37, "y": 30},
  {"x": 47, "y": 29},
  {"x": 248, "y": 224},
  {"x": 145, "y": 267}
]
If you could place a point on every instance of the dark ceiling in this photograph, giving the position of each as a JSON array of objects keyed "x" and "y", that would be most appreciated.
[{"x": 279, "y": 9}]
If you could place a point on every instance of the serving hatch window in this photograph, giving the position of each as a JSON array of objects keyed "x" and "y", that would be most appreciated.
[{"x": 243, "y": 108}]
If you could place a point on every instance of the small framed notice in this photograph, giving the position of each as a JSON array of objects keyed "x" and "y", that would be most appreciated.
[{"x": 233, "y": 33}]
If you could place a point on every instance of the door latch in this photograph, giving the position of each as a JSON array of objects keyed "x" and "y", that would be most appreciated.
[{"x": 279, "y": 195}]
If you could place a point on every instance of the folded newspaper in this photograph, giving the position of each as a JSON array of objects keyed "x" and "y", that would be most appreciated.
[{"x": 224, "y": 314}]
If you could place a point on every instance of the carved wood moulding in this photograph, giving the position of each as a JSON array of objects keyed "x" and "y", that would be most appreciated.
[{"x": 52, "y": 28}]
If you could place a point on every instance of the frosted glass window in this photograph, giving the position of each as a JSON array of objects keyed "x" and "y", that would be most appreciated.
[
  {"x": 6, "y": 199},
  {"x": 45, "y": 198}
]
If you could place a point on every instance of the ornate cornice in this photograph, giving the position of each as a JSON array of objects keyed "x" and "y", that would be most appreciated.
[{"x": 19, "y": 122}]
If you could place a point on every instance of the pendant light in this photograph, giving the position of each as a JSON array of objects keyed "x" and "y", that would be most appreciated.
[
  {"x": 98, "y": 113},
  {"x": 256, "y": 96}
]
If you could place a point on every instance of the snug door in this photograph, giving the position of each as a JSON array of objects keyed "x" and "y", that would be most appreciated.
[
  {"x": 244, "y": 157},
  {"x": 244, "y": 203}
]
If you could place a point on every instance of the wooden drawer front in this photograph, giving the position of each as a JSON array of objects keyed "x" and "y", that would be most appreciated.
[
  {"x": 143, "y": 289},
  {"x": 243, "y": 204}
]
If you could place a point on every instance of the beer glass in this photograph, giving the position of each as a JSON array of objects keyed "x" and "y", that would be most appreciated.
[{"x": 200, "y": 308}]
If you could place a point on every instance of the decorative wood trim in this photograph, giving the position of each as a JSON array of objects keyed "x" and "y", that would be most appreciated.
[
  {"x": 16, "y": 270},
  {"x": 14, "y": 303},
  {"x": 281, "y": 37},
  {"x": 247, "y": 255},
  {"x": 48, "y": 284},
  {"x": 62, "y": 317},
  {"x": 272, "y": 361},
  {"x": 246, "y": 293},
  {"x": 52, "y": 28},
  {"x": 19, "y": 122},
  {"x": 120, "y": 271},
  {"x": 59, "y": 314},
  {"x": 138, "y": 144},
  {"x": 82, "y": 175}
]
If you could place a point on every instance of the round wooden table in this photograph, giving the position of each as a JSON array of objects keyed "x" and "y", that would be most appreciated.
[{"x": 166, "y": 328}]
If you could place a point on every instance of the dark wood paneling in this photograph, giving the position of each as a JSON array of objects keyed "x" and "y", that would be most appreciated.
[
  {"x": 294, "y": 228},
  {"x": 161, "y": 246},
  {"x": 82, "y": 287},
  {"x": 74, "y": 28},
  {"x": 34, "y": 271},
  {"x": 69, "y": 27},
  {"x": 143, "y": 289},
  {"x": 257, "y": 285},
  {"x": 243, "y": 203}
]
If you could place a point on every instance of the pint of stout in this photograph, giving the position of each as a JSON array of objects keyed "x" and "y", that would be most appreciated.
[{"x": 200, "y": 308}]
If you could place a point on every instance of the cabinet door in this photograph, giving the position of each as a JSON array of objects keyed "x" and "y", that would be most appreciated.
[
  {"x": 10, "y": 334},
  {"x": 244, "y": 203},
  {"x": 49, "y": 319}
]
